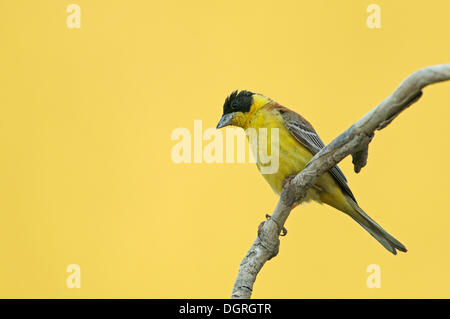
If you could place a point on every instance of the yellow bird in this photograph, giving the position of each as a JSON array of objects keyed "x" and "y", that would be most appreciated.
[{"x": 298, "y": 142}]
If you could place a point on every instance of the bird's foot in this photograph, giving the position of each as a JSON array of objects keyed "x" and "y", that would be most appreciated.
[{"x": 283, "y": 230}]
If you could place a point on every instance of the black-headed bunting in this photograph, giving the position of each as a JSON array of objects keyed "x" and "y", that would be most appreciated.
[{"x": 298, "y": 142}]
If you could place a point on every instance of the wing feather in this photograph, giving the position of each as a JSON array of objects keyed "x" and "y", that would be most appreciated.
[{"x": 303, "y": 131}]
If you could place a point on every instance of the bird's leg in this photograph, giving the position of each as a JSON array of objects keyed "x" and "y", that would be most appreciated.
[
  {"x": 282, "y": 229},
  {"x": 285, "y": 182}
]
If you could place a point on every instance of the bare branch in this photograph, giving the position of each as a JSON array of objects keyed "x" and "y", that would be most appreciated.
[{"x": 355, "y": 141}]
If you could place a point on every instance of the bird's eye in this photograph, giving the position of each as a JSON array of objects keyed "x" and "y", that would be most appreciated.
[{"x": 234, "y": 105}]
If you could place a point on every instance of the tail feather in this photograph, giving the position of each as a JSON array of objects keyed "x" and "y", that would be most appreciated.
[{"x": 382, "y": 236}]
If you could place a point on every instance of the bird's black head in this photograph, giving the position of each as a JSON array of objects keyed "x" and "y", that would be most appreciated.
[{"x": 237, "y": 104}]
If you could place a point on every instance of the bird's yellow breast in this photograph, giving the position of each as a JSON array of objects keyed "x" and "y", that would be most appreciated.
[
  {"x": 292, "y": 155},
  {"x": 292, "y": 158}
]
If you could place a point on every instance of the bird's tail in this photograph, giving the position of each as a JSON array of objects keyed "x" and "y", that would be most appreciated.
[{"x": 383, "y": 237}]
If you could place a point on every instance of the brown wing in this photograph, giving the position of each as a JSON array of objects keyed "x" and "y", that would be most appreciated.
[{"x": 303, "y": 131}]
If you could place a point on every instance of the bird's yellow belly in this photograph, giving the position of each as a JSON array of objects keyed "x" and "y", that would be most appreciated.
[{"x": 293, "y": 158}]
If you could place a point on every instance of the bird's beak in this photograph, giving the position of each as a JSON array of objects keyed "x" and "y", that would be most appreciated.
[{"x": 225, "y": 120}]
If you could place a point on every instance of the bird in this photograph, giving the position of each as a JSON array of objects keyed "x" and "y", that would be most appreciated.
[{"x": 298, "y": 142}]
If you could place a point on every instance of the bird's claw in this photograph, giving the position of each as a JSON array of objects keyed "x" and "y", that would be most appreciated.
[{"x": 283, "y": 231}]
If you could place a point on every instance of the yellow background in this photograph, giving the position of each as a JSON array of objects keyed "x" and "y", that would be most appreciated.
[{"x": 86, "y": 175}]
